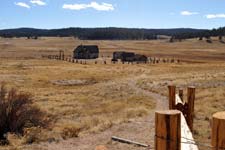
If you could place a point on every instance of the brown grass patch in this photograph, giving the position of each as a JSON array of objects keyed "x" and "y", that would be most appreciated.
[
  {"x": 105, "y": 97},
  {"x": 18, "y": 115}
]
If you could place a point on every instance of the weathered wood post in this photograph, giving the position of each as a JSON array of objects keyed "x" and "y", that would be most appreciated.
[
  {"x": 190, "y": 99},
  {"x": 181, "y": 94},
  {"x": 63, "y": 56},
  {"x": 172, "y": 96},
  {"x": 60, "y": 54},
  {"x": 168, "y": 130},
  {"x": 218, "y": 131},
  {"x": 154, "y": 60}
]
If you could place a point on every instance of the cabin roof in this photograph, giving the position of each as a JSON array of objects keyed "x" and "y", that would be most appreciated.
[{"x": 90, "y": 48}]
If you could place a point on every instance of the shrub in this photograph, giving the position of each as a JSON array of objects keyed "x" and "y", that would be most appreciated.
[
  {"x": 17, "y": 112},
  {"x": 71, "y": 132},
  {"x": 209, "y": 41},
  {"x": 220, "y": 38}
]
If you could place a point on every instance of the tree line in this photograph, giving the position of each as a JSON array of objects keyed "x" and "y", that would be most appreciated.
[
  {"x": 112, "y": 33},
  {"x": 207, "y": 34}
]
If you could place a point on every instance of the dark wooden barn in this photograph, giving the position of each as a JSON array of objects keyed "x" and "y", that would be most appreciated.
[
  {"x": 129, "y": 57},
  {"x": 124, "y": 56},
  {"x": 86, "y": 52},
  {"x": 141, "y": 58}
]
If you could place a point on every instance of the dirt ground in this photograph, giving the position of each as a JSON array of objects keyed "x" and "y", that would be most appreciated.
[{"x": 114, "y": 99}]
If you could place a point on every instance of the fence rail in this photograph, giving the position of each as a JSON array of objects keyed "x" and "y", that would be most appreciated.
[
  {"x": 184, "y": 140},
  {"x": 151, "y": 60},
  {"x": 172, "y": 131}
]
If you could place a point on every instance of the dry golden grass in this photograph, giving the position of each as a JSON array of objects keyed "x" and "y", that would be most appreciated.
[
  {"x": 192, "y": 49},
  {"x": 102, "y": 96},
  {"x": 104, "y": 100}
]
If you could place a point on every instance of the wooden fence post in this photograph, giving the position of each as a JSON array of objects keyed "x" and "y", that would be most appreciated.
[
  {"x": 168, "y": 130},
  {"x": 60, "y": 54},
  {"x": 190, "y": 99},
  {"x": 218, "y": 131},
  {"x": 181, "y": 94},
  {"x": 172, "y": 96}
]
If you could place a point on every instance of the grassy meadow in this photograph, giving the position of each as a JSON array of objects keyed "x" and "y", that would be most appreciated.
[{"x": 83, "y": 99}]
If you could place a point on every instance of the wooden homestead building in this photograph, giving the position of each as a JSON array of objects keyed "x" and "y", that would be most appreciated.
[
  {"x": 123, "y": 56},
  {"x": 129, "y": 57},
  {"x": 86, "y": 52}
]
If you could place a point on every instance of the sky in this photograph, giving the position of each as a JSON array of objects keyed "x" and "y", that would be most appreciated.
[{"x": 51, "y": 14}]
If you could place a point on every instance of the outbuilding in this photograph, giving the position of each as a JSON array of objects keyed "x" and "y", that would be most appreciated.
[{"x": 86, "y": 52}]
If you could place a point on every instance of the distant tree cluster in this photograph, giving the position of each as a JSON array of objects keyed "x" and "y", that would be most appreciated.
[
  {"x": 30, "y": 37},
  {"x": 114, "y": 33},
  {"x": 100, "y": 33},
  {"x": 207, "y": 34}
]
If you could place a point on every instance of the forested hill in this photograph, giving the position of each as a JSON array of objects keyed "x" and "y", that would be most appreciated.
[{"x": 101, "y": 33}]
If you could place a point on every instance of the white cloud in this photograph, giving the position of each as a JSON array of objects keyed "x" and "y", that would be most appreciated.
[
  {"x": 94, "y": 5},
  {"x": 21, "y": 4},
  {"x": 188, "y": 13},
  {"x": 75, "y": 6},
  {"x": 213, "y": 16},
  {"x": 38, "y": 2}
]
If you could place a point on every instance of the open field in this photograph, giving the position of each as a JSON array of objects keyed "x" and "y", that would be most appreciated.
[
  {"x": 189, "y": 50},
  {"x": 87, "y": 104}
]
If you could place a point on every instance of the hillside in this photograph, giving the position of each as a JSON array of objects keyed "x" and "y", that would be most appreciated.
[{"x": 99, "y": 33}]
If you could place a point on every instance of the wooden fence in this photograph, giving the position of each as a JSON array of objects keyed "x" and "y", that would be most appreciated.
[
  {"x": 174, "y": 127},
  {"x": 69, "y": 58}
]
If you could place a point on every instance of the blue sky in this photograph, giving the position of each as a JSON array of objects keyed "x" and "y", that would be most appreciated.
[{"x": 112, "y": 13}]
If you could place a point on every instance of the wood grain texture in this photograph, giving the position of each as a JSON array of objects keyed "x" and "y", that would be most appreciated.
[
  {"x": 191, "y": 99},
  {"x": 172, "y": 97},
  {"x": 168, "y": 130},
  {"x": 218, "y": 131}
]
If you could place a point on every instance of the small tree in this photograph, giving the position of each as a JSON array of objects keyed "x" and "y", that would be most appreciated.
[
  {"x": 220, "y": 38},
  {"x": 172, "y": 39},
  {"x": 17, "y": 112},
  {"x": 208, "y": 39}
]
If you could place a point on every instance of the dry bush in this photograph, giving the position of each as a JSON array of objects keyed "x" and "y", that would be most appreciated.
[
  {"x": 71, "y": 131},
  {"x": 15, "y": 141},
  {"x": 37, "y": 135},
  {"x": 17, "y": 112}
]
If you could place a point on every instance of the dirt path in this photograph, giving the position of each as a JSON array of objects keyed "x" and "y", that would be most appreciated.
[
  {"x": 141, "y": 130},
  {"x": 161, "y": 102}
]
